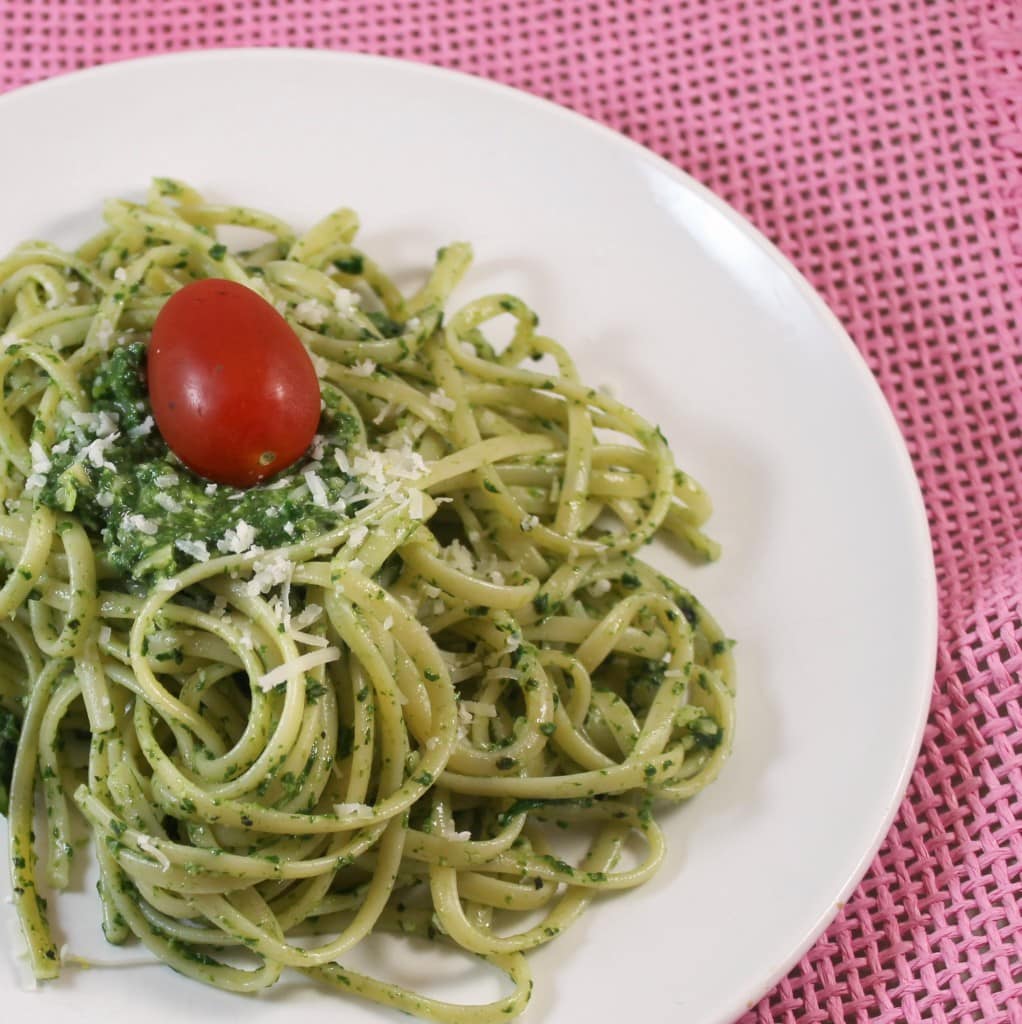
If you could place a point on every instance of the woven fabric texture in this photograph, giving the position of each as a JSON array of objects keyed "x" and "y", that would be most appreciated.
[{"x": 879, "y": 144}]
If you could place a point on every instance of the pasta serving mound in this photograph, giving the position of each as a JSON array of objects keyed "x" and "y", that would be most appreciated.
[{"x": 371, "y": 692}]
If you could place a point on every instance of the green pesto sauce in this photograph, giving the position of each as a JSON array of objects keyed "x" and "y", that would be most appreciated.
[{"x": 139, "y": 476}]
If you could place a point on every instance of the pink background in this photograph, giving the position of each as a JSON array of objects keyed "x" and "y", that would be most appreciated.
[{"x": 879, "y": 144}]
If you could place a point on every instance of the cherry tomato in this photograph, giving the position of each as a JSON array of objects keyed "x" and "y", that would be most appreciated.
[{"x": 234, "y": 392}]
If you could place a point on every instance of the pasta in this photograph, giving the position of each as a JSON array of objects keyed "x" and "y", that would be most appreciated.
[{"x": 364, "y": 695}]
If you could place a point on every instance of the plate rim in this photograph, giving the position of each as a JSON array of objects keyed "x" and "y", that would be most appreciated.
[{"x": 927, "y": 615}]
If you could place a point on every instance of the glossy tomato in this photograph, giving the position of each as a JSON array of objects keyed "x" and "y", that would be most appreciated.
[{"x": 233, "y": 390}]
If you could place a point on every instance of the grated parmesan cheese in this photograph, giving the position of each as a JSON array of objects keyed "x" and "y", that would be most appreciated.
[
  {"x": 316, "y": 488},
  {"x": 40, "y": 460},
  {"x": 106, "y": 423},
  {"x": 459, "y": 556},
  {"x": 138, "y": 522},
  {"x": 291, "y": 669},
  {"x": 356, "y": 810},
  {"x": 318, "y": 448},
  {"x": 238, "y": 539},
  {"x": 148, "y": 845},
  {"x": 309, "y": 639},
  {"x": 269, "y": 572},
  {"x": 416, "y": 504},
  {"x": 166, "y": 502},
  {"x": 307, "y": 616},
  {"x": 311, "y": 313},
  {"x": 193, "y": 548},
  {"x": 346, "y": 301},
  {"x": 143, "y": 429},
  {"x": 95, "y": 451},
  {"x": 104, "y": 334},
  {"x": 387, "y": 409}
]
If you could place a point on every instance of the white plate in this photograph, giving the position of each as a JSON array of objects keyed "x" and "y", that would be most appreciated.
[{"x": 663, "y": 291}]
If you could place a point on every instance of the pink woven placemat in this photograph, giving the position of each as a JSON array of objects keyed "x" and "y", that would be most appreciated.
[{"x": 880, "y": 145}]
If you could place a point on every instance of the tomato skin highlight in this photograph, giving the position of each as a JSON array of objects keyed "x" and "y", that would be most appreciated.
[{"x": 233, "y": 390}]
